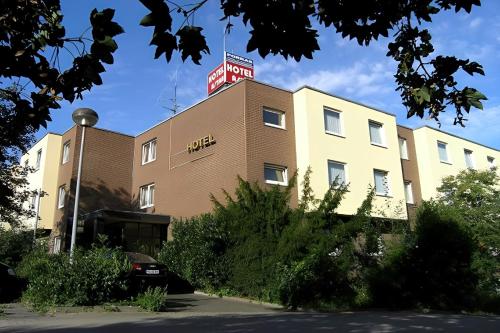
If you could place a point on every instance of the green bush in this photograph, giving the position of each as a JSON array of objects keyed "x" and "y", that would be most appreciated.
[
  {"x": 14, "y": 245},
  {"x": 153, "y": 299},
  {"x": 96, "y": 276},
  {"x": 432, "y": 268},
  {"x": 197, "y": 252}
]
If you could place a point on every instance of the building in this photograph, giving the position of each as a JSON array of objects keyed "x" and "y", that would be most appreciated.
[
  {"x": 43, "y": 158},
  {"x": 263, "y": 134}
]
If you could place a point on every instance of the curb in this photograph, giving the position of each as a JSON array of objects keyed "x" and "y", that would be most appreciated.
[{"x": 242, "y": 300}]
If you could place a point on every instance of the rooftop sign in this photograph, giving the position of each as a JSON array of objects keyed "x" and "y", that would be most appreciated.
[{"x": 233, "y": 69}]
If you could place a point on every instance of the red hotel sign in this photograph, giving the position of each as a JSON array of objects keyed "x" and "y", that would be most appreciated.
[{"x": 233, "y": 69}]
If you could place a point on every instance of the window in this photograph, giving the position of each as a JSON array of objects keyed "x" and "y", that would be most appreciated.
[
  {"x": 376, "y": 134},
  {"x": 149, "y": 152},
  {"x": 336, "y": 172},
  {"x": 403, "y": 148},
  {"x": 333, "y": 123},
  {"x": 65, "y": 157},
  {"x": 408, "y": 192},
  {"x": 491, "y": 163},
  {"x": 381, "y": 182},
  {"x": 33, "y": 202},
  {"x": 443, "y": 153},
  {"x": 274, "y": 174},
  {"x": 57, "y": 245},
  {"x": 147, "y": 196},
  {"x": 274, "y": 118},
  {"x": 38, "y": 159},
  {"x": 469, "y": 161},
  {"x": 61, "y": 196}
]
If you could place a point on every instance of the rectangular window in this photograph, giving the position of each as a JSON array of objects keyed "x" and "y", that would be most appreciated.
[
  {"x": 38, "y": 159},
  {"x": 381, "y": 182},
  {"x": 149, "y": 152},
  {"x": 408, "y": 193},
  {"x": 491, "y": 163},
  {"x": 57, "y": 245},
  {"x": 65, "y": 157},
  {"x": 333, "y": 123},
  {"x": 33, "y": 202},
  {"x": 274, "y": 174},
  {"x": 147, "y": 196},
  {"x": 336, "y": 173},
  {"x": 274, "y": 118},
  {"x": 403, "y": 148},
  {"x": 443, "y": 153},
  {"x": 376, "y": 134},
  {"x": 61, "y": 196},
  {"x": 469, "y": 160}
]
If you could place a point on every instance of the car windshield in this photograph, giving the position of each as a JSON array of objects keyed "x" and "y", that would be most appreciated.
[{"x": 140, "y": 258}]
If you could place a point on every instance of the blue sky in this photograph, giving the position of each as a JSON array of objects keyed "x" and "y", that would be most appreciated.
[{"x": 137, "y": 89}]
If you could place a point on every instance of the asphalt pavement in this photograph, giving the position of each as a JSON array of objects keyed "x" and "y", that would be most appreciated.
[{"x": 200, "y": 313}]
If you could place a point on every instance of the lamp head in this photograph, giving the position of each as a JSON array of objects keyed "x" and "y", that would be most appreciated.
[{"x": 85, "y": 117}]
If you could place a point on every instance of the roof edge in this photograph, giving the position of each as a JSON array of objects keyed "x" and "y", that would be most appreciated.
[{"x": 342, "y": 98}]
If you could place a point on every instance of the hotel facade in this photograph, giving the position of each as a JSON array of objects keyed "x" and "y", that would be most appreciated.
[{"x": 261, "y": 133}]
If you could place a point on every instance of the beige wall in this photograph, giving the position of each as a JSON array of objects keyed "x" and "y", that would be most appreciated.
[
  {"x": 315, "y": 148},
  {"x": 432, "y": 170},
  {"x": 44, "y": 178}
]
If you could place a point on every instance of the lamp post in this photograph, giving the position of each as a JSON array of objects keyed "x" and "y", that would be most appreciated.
[{"x": 83, "y": 117}]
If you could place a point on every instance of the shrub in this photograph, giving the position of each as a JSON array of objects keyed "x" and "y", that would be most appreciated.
[
  {"x": 197, "y": 252},
  {"x": 96, "y": 276},
  {"x": 14, "y": 245},
  {"x": 153, "y": 299},
  {"x": 433, "y": 267}
]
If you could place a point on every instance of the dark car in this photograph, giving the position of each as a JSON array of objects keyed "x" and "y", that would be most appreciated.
[
  {"x": 146, "y": 272},
  {"x": 10, "y": 284}
]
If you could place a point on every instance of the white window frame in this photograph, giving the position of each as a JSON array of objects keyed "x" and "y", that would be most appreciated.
[
  {"x": 472, "y": 162},
  {"x": 149, "y": 199},
  {"x": 341, "y": 121},
  {"x": 151, "y": 156},
  {"x": 346, "y": 181},
  {"x": 38, "y": 159},
  {"x": 56, "y": 248},
  {"x": 66, "y": 149},
  {"x": 491, "y": 162},
  {"x": 281, "y": 168},
  {"x": 382, "y": 133},
  {"x": 403, "y": 148},
  {"x": 388, "y": 181},
  {"x": 280, "y": 113},
  {"x": 448, "y": 160},
  {"x": 61, "y": 198},
  {"x": 409, "y": 198}
]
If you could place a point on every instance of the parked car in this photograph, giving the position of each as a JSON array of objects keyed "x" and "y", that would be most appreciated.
[
  {"x": 10, "y": 284},
  {"x": 146, "y": 272}
]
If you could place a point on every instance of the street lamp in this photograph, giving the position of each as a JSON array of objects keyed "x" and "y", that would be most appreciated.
[{"x": 83, "y": 117}]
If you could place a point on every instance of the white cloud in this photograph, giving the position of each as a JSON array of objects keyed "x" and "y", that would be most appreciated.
[
  {"x": 475, "y": 22},
  {"x": 361, "y": 79}
]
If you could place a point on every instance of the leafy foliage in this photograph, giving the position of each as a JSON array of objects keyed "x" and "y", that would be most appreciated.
[
  {"x": 432, "y": 267},
  {"x": 15, "y": 243},
  {"x": 475, "y": 195},
  {"x": 95, "y": 276},
  {"x": 265, "y": 249},
  {"x": 153, "y": 299},
  {"x": 15, "y": 139}
]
